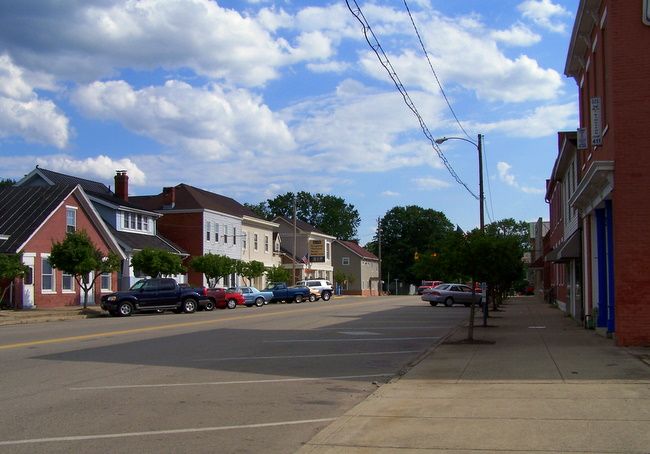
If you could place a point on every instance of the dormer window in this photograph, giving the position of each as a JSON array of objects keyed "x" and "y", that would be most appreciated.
[{"x": 137, "y": 222}]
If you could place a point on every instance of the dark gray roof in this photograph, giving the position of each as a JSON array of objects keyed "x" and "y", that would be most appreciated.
[
  {"x": 188, "y": 197},
  {"x": 23, "y": 209},
  {"x": 136, "y": 242},
  {"x": 302, "y": 225},
  {"x": 93, "y": 188}
]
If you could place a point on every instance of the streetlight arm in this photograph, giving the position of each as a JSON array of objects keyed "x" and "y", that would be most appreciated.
[{"x": 444, "y": 139}]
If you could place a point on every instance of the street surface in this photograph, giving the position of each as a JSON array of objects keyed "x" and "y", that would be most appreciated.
[{"x": 245, "y": 380}]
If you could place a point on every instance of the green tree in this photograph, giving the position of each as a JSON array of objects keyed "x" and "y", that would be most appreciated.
[
  {"x": 252, "y": 270},
  {"x": 511, "y": 228},
  {"x": 11, "y": 267},
  {"x": 6, "y": 182},
  {"x": 328, "y": 213},
  {"x": 277, "y": 274},
  {"x": 214, "y": 267},
  {"x": 156, "y": 262},
  {"x": 78, "y": 256},
  {"x": 410, "y": 232},
  {"x": 339, "y": 277}
]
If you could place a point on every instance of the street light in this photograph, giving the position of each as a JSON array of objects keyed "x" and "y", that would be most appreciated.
[{"x": 479, "y": 147}]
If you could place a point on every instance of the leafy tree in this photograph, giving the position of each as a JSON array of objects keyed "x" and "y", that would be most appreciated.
[
  {"x": 156, "y": 262},
  {"x": 511, "y": 228},
  {"x": 78, "y": 256},
  {"x": 11, "y": 267},
  {"x": 252, "y": 269},
  {"x": 6, "y": 182},
  {"x": 410, "y": 232},
  {"x": 214, "y": 267},
  {"x": 277, "y": 274},
  {"x": 339, "y": 277},
  {"x": 328, "y": 213}
]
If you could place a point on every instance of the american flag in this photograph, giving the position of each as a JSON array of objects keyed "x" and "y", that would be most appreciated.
[{"x": 305, "y": 259}]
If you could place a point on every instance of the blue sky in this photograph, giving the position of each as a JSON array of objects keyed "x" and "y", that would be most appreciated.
[{"x": 256, "y": 98}]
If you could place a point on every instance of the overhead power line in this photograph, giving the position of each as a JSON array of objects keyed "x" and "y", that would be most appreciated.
[
  {"x": 426, "y": 54},
  {"x": 385, "y": 62}
]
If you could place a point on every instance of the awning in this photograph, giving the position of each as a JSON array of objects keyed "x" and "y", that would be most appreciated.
[{"x": 568, "y": 250}]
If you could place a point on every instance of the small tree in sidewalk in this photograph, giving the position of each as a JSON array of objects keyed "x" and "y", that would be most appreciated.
[
  {"x": 214, "y": 267},
  {"x": 11, "y": 267},
  {"x": 156, "y": 262},
  {"x": 78, "y": 256}
]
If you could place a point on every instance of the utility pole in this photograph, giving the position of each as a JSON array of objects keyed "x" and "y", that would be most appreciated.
[
  {"x": 293, "y": 267},
  {"x": 379, "y": 285},
  {"x": 480, "y": 180}
]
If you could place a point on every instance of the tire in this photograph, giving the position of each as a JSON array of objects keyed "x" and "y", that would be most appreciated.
[
  {"x": 298, "y": 299},
  {"x": 312, "y": 297},
  {"x": 326, "y": 296},
  {"x": 124, "y": 309},
  {"x": 433, "y": 303},
  {"x": 209, "y": 306},
  {"x": 259, "y": 302},
  {"x": 231, "y": 303},
  {"x": 189, "y": 306},
  {"x": 449, "y": 301}
]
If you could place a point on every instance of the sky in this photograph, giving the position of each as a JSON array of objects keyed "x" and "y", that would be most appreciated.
[{"x": 251, "y": 99}]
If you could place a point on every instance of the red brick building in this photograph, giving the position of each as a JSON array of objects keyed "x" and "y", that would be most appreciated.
[
  {"x": 31, "y": 219},
  {"x": 609, "y": 60}
]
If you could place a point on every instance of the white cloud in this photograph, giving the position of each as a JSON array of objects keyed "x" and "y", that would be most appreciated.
[
  {"x": 542, "y": 121},
  {"x": 23, "y": 114},
  {"x": 100, "y": 168},
  {"x": 84, "y": 41},
  {"x": 503, "y": 169},
  {"x": 390, "y": 194},
  {"x": 430, "y": 183},
  {"x": 209, "y": 122},
  {"x": 328, "y": 67},
  {"x": 517, "y": 35},
  {"x": 545, "y": 14}
]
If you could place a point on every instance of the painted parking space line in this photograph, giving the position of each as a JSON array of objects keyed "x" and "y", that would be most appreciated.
[
  {"x": 327, "y": 355},
  {"x": 235, "y": 382},
  {"x": 162, "y": 432},
  {"x": 362, "y": 339},
  {"x": 103, "y": 334}
]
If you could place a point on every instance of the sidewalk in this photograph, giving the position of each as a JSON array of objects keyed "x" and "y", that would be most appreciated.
[
  {"x": 11, "y": 317},
  {"x": 545, "y": 386}
]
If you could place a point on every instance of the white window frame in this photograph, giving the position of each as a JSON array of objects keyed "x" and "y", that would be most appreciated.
[
  {"x": 207, "y": 230},
  {"x": 65, "y": 276},
  {"x": 244, "y": 239},
  {"x": 345, "y": 261},
  {"x": 266, "y": 244},
  {"x": 216, "y": 232},
  {"x": 108, "y": 277},
  {"x": 46, "y": 258},
  {"x": 255, "y": 244},
  {"x": 70, "y": 227}
]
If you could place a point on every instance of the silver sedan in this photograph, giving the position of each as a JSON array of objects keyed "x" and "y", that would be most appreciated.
[{"x": 450, "y": 294}]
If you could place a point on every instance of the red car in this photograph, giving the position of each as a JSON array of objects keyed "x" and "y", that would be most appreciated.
[
  {"x": 427, "y": 285},
  {"x": 222, "y": 298}
]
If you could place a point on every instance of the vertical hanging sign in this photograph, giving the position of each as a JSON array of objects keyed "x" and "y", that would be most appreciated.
[{"x": 596, "y": 127}]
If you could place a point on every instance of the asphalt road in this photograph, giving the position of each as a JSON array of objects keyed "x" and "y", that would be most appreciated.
[{"x": 229, "y": 381}]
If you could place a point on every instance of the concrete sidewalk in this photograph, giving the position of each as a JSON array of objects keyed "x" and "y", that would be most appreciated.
[
  {"x": 12, "y": 317},
  {"x": 545, "y": 386}
]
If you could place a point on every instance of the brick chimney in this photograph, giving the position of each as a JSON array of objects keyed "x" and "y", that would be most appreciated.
[
  {"x": 169, "y": 197},
  {"x": 122, "y": 185}
]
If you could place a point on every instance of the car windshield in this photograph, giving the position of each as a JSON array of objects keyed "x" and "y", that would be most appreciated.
[{"x": 138, "y": 285}]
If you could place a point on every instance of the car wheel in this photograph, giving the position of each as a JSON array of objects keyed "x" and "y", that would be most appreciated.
[
  {"x": 326, "y": 296},
  {"x": 298, "y": 299},
  {"x": 189, "y": 306},
  {"x": 259, "y": 302},
  {"x": 433, "y": 303},
  {"x": 209, "y": 306},
  {"x": 312, "y": 297},
  {"x": 125, "y": 309},
  {"x": 449, "y": 302},
  {"x": 232, "y": 303}
]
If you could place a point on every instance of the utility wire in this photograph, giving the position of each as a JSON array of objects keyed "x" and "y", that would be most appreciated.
[
  {"x": 385, "y": 62},
  {"x": 426, "y": 54}
]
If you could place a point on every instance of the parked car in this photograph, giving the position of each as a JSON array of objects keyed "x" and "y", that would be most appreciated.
[
  {"x": 319, "y": 288},
  {"x": 427, "y": 285},
  {"x": 282, "y": 292},
  {"x": 450, "y": 294},
  {"x": 158, "y": 295},
  {"x": 252, "y": 296},
  {"x": 223, "y": 298}
]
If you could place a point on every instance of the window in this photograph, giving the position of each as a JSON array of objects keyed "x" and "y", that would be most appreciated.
[
  {"x": 234, "y": 235},
  {"x": 216, "y": 232},
  {"x": 255, "y": 241},
  {"x": 67, "y": 282},
  {"x": 139, "y": 222},
  {"x": 207, "y": 230},
  {"x": 125, "y": 216},
  {"x": 266, "y": 243},
  {"x": 106, "y": 282},
  {"x": 47, "y": 275},
  {"x": 345, "y": 261},
  {"x": 244, "y": 237},
  {"x": 70, "y": 219},
  {"x": 225, "y": 234},
  {"x": 132, "y": 219},
  {"x": 145, "y": 223}
]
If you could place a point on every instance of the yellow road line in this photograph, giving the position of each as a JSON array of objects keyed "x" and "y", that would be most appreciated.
[{"x": 59, "y": 340}]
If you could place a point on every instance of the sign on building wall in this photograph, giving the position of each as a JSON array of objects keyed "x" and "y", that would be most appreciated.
[
  {"x": 596, "y": 123},
  {"x": 317, "y": 251},
  {"x": 582, "y": 139},
  {"x": 646, "y": 12}
]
